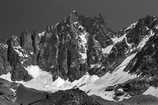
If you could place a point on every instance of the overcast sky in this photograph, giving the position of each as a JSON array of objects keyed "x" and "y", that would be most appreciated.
[{"x": 18, "y": 15}]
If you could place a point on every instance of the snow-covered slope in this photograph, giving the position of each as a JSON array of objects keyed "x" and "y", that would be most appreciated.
[
  {"x": 110, "y": 79},
  {"x": 93, "y": 85}
]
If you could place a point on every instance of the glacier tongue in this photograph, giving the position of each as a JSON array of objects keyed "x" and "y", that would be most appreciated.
[{"x": 42, "y": 80}]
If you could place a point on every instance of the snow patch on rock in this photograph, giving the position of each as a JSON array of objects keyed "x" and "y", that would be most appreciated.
[
  {"x": 107, "y": 49},
  {"x": 6, "y": 76},
  {"x": 118, "y": 39},
  {"x": 41, "y": 34},
  {"x": 145, "y": 39},
  {"x": 20, "y": 51},
  {"x": 42, "y": 80},
  {"x": 151, "y": 91},
  {"x": 34, "y": 71},
  {"x": 131, "y": 26}
]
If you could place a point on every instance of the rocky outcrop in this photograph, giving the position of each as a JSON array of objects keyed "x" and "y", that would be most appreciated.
[
  {"x": 27, "y": 96},
  {"x": 7, "y": 92}
]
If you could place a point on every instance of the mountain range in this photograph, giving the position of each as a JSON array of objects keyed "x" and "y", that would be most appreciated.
[{"x": 81, "y": 61}]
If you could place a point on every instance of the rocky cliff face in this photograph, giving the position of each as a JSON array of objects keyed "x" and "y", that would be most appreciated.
[
  {"x": 125, "y": 63},
  {"x": 69, "y": 49}
]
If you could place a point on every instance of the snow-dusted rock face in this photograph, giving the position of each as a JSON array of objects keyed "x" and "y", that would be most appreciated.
[{"x": 81, "y": 52}]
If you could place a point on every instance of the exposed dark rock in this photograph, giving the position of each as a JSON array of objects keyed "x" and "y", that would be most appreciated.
[
  {"x": 4, "y": 64},
  {"x": 27, "y": 96},
  {"x": 7, "y": 95}
]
